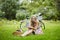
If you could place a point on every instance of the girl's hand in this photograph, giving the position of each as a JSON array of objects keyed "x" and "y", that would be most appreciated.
[
  {"x": 31, "y": 27},
  {"x": 34, "y": 28}
]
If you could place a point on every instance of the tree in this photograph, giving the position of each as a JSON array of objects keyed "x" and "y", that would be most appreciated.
[
  {"x": 58, "y": 8},
  {"x": 10, "y": 7}
]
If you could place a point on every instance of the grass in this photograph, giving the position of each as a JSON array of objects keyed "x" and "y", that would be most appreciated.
[{"x": 52, "y": 31}]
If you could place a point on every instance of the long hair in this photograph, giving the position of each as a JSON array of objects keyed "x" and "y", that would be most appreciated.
[{"x": 34, "y": 21}]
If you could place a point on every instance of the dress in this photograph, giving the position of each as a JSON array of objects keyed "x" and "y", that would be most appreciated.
[{"x": 38, "y": 31}]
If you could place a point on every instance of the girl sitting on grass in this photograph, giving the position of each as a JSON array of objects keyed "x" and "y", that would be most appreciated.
[{"x": 33, "y": 27}]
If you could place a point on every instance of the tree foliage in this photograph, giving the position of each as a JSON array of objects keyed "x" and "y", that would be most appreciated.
[
  {"x": 49, "y": 8},
  {"x": 9, "y": 7}
]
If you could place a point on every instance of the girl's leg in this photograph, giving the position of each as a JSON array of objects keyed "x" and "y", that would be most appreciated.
[{"x": 27, "y": 32}]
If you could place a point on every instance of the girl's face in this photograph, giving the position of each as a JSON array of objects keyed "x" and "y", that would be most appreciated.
[{"x": 33, "y": 19}]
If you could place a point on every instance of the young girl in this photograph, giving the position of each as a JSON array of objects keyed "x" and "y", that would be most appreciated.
[{"x": 34, "y": 27}]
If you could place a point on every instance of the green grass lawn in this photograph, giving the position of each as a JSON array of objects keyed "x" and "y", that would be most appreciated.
[{"x": 52, "y": 31}]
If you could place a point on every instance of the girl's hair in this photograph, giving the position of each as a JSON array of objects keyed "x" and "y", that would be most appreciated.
[{"x": 35, "y": 22}]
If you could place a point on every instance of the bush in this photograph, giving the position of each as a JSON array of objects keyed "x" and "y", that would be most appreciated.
[
  {"x": 2, "y": 14},
  {"x": 20, "y": 16}
]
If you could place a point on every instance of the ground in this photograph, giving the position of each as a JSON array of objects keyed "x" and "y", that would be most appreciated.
[{"x": 52, "y": 31}]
